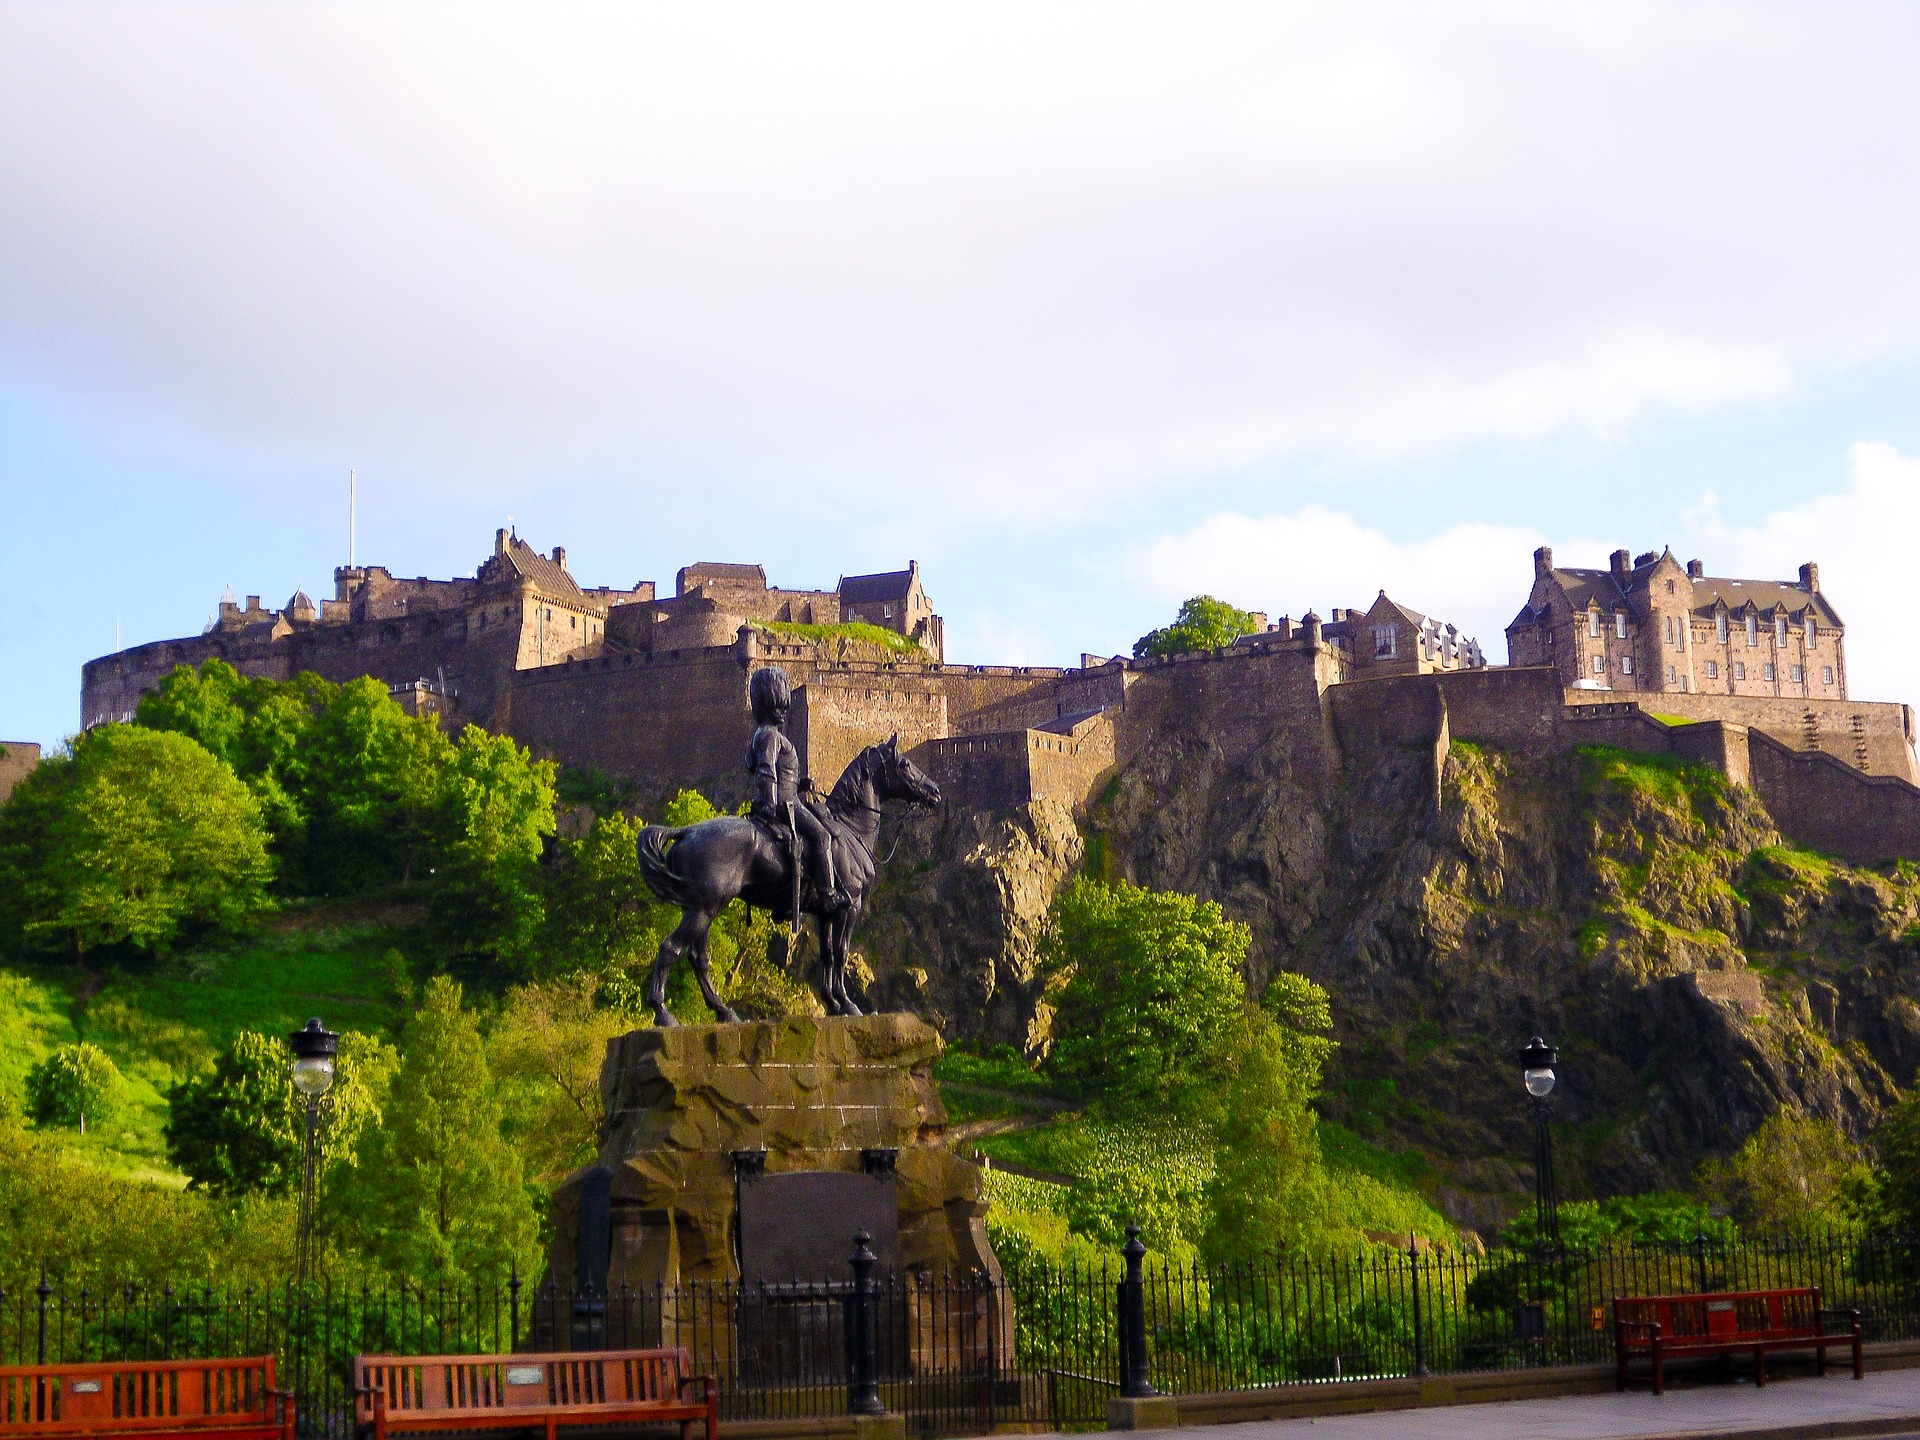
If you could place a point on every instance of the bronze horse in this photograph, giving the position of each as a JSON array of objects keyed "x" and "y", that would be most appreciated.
[{"x": 701, "y": 867}]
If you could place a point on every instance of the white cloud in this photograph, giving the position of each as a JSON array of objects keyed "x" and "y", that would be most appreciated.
[
  {"x": 1862, "y": 540},
  {"x": 1022, "y": 257},
  {"x": 1473, "y": 576}
]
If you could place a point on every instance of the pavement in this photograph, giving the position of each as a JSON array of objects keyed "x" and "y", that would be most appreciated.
[{"x": 1886, "y": 1403}]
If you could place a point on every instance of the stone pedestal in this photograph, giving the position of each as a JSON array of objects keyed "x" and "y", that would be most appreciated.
[{"x": 815, "y": 1095}]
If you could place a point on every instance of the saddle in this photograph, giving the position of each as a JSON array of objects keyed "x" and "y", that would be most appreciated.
[{"x": 789, "y": 844}]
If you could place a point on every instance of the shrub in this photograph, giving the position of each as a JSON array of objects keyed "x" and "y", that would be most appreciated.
[{"x": 73, "y": 1085}]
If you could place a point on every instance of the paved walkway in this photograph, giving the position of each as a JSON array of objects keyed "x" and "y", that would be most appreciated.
[{"x": 1889, "y": 1401}]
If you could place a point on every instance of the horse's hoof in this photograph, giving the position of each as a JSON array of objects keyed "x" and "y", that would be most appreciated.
[
  {"x": 849, "y": 1008},
  {"x": 726, "y": 1016},
  {"x": 663, "y": 1017}
]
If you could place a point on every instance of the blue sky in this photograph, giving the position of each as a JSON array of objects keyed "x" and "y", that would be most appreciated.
[{"x": 1087, "y": 308}]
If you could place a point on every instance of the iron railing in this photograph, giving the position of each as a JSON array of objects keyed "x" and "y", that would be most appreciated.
[{"x": 964, "y": 1354}]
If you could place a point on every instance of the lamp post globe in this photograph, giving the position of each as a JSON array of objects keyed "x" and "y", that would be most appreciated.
[
  {"x": 1537, "y": 1061},
  {"x": 314, "y": 1047}
]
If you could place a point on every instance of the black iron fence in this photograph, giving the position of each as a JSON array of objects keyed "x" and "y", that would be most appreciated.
[{"x": 963, "y": 1354}]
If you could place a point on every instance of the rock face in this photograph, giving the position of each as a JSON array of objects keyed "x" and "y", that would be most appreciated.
[
  {"x": 1697, "y": 972},
  {"x": 814, "y": 1094}
]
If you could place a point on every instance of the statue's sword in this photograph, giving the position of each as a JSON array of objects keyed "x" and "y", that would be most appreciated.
[{"x": 795, "y": 853}]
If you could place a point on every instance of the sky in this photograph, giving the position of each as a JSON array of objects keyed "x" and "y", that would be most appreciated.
[{"x": 1086, "y": 307}]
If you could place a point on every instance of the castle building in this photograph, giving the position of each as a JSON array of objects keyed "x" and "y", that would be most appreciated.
[{"x": 1655, "y": 626}]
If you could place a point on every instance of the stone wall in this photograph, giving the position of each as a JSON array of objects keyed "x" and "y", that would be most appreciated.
[
  {"x": 1874, "y": 737},
  {"x": 1831, "y": 807},
  {"x": 836, "y": 716},
  {"x": 17, "y": 759}
]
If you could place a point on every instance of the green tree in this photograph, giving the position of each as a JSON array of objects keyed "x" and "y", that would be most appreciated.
[
  {"x": 241, "y": 1128},
  {"x": 599, "y": 913},
  {"x": 495, "y": 814},
  {"x": 134, "y": 838},
  {"x": 1792, "y": 1173},
  {"x": 1203, "y": 623},
  {"x": 439, "y": 1190},
  {"x": 1148, "y": 992},
  {"x": 1896, "y": 1145},
  {"x": 73, "y": 1085},
  {"x": 1268, "y": 1188},
  {"x": 375, "y": 791}
]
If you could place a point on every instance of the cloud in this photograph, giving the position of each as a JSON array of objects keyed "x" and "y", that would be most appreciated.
[
  {"x": 1473, "y": 576},
  {"x": 1861, "y": 538},
  {"x": 994, "y": 261}
]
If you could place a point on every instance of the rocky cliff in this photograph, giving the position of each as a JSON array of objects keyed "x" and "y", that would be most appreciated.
[{"x": 1696, "y": 971}]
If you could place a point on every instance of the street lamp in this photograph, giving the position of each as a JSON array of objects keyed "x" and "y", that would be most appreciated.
[
  {"x": 1536, "y": 1070},
  {"x": 313, "y": 1050}
]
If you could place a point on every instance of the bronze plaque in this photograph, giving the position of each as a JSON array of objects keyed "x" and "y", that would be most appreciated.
[{"x": 800, "y": 1226}]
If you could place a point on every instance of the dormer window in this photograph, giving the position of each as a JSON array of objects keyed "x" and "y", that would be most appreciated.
[
  {"x": 1780, "y": 631},
  {"x": 1593, "y": 624},
  {"x": 1813, "y": 633},
  {"x": 1753, "y": 629},
  {"x": 1620, "y": 624},
  {"x": 1386, "y": 642},
  {"x": 1720, "y": 627}
]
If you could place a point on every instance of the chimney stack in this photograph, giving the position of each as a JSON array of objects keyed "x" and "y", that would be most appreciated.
[
  {"x": 560, "y": 556},
  {"x": 1695, "y": 570},
  {"x": 500, "y": 541},
  {"x": 1622, "y": 561},
  {"x": 1810, "y": 577},
  {"x": 1543, "y": 560}
]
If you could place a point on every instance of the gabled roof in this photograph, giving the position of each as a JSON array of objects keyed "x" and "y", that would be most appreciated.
[
  {"x": 1585, "y": 587},
  {"x": 865, "y": 589},
  {"x": 1765, "y": 594},
  {"x": 518, "y": 558},
  {"x": 1394, "y": 607}
]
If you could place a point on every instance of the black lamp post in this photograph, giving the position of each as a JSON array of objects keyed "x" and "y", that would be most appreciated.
[
  {"x": 1536, "y": 1065},
  {"x": 313, "y": 1050}
]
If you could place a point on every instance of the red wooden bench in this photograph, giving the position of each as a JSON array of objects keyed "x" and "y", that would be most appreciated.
[
  {"x": 1663, "y": 1327},
  {"x": 233, "y": 1399},
  {"x": 402, "y": 1394}
]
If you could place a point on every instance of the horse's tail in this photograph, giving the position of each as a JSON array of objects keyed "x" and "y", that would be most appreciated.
[{"x": 656, "y": 868}]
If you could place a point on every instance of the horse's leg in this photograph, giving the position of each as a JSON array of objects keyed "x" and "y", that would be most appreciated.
[
  {"x": 823, "y": 928},
  {"x": 697, "y": 949},
  {"x": 670, "y": 950},
  {"x": 842, "y": 935}
]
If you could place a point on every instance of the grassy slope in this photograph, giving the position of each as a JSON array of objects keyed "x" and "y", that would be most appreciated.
[{"x": 163, "y": 1022}]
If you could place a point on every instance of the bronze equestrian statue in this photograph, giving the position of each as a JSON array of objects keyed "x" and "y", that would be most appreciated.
[{"x": 753, "y": 858}]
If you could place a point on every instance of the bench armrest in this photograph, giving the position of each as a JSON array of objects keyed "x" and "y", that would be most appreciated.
[
  {"x": 1652, "y": 1327},
  {"x": 1852, "y": 1317},
  {"x": 708, "y": 1385}
]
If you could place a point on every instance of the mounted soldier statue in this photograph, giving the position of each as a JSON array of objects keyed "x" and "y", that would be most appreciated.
[{"x": 792, "y": 855}]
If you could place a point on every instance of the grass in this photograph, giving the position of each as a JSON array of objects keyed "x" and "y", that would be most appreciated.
[
  {"x": 161, "y": 1022},
  {"x": 999, "y": 1069},
  {"x": 1665, "y": 779},
  {"x": 854, "y": 630}
]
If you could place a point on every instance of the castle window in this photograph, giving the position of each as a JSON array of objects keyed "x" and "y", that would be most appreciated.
[
  {"x": 573, "y": 622},
  {"x": 1599, "y": 664},
  {"x": 1669, "y": 591},
  {"x": 1713, "y": 669},
  {"x": 1626, "y": 664},
  {"x": 1826, "y": 674},
  {"x": 887, "y": 610},
  {"x": 1739, "y": 669},
  {"x": 1620, "y": 624},
  {"x": 1673, "y": 675},
  {"x": 1593, "y": 624},
  {"x": 1753, "y": 629},
  {"x": 1386, "y": 641},
  {"x": 1799, "y": 675},
  {"x": 1813, "y": 633},
  {"x": 1720, "y": 628},
  {"x": 1768, "y": 672},
  {"x": 1780, "y": 631}
]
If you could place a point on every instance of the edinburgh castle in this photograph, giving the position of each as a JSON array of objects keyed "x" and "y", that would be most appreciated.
[{"x": 1650, "y": 654}]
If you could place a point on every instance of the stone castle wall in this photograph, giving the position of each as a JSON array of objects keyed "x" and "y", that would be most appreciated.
[
  {"x": 1874, "y": 737},
  {"x": 17, "y": 760}
]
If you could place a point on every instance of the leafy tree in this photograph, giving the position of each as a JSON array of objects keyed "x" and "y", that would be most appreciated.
[
  {"x": 496, "y": 811},
  {"x": 73, "y": 1085},
  {"x": 547, "y": 1047},
  {"x": 1268, "y": 1188},
  {"x": 1203, "y": 623},
  {"x": 599, "y": 912},
  {"x": 241, "y": 1128},
  {"x": 439, "y": 1189},
  {"x": 136, "y": 837},
  {"x": 1793, "y": 1172},
  {"x": 375, "y": 791},
  {"x": 1148, "y": 992},
  {"x": 1896, "y": 1144}
]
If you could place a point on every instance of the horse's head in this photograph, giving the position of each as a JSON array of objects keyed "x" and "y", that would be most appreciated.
[{"x": 898, "y": 778}]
